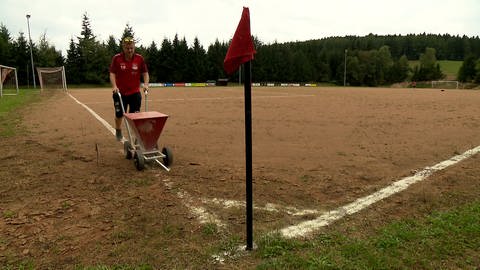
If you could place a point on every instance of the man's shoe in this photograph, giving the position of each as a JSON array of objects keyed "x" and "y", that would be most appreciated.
[{"x": 118, "y": 134}]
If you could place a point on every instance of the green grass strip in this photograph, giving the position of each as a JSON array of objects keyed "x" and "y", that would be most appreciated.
[
  {"x": 10, "y": 119},
  {"x": 447, "y": 240}
]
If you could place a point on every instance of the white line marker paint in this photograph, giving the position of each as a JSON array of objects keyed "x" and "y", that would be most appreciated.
[
  {"x": 269, "y": 207},
  {"x": 310, "y": 226},
  {"x": 105, "y": 123},
  {"x": 201, "y": 213}
]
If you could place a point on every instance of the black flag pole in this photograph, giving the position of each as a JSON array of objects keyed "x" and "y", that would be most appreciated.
[
  {"x": 241, "y": 51},
  {"x": 248, "y": 152}
]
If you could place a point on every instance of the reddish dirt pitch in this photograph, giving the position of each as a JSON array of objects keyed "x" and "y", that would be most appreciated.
[{"x": 69, "y": 196}]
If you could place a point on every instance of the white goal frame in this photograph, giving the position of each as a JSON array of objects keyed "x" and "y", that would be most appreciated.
[
  {"x": 445, "y": 82},
  {"x": 51, "y": 70},
  {"x": 3, "y": 76}
]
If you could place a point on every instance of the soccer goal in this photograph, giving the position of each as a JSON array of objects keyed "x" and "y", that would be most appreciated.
[
  {"x": 8, "y": 81},
  {"x": 52, "y": 78},
  {"x": 445, "y": 84}
]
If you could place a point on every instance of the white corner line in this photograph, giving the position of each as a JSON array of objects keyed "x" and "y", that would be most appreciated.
[
  {"x": 202, "y": 214},
  {"x": 269, "y": 207},
  {"x": 307, "y": 227}
]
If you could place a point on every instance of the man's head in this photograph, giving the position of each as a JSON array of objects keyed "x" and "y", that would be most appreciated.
[{"x": 128, "y": 45}]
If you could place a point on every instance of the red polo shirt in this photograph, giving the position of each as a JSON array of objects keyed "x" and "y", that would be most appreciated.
[{"x": 128, "y": 73}]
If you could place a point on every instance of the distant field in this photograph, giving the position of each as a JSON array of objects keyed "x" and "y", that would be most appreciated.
[{"x": 450, "y": 68}]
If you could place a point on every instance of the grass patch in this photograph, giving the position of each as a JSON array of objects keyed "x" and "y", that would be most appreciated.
[
  {"x": 25, "y": 265},
  {"x": 209, "y": 229},
  {"x": 8, "y": 105},
  {"x": 9, "y": 214},
  {"x": 117, "y": 267},
  {"x": 439, "y": 241},
  {"x": 449, "y": 68},
  {"x": 140, "y": 182}
]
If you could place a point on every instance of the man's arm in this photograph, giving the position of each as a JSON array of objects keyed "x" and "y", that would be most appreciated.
[
  {"x": 113, "y": 81},
  {"x": 146, "y": 81}
]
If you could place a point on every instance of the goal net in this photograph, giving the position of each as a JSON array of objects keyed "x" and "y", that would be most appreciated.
[
  {"x": 52, "y": 78},
  {"x": 8, "y": 81},
  {"x": 445, "y": 84}
]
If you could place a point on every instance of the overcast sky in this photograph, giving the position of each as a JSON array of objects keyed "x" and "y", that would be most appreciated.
[{"x": 271, "y": 20}]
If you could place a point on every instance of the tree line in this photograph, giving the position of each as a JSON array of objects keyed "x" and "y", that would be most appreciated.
[{"x": 371, "y": 60}]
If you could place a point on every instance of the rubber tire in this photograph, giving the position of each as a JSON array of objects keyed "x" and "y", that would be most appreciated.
[
  {"x": 139, "y": 160},
  {"x": 168, "y": 159},
  {"x": 127, "y": 147}
]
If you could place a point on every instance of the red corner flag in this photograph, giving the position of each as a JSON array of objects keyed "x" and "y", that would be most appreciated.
[{"x": 241, "y": 49}]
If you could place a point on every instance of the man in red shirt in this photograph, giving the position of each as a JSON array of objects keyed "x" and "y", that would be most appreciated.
[{"x": 126, "y": 70}]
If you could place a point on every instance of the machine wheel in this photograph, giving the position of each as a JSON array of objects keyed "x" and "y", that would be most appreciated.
[
  {"x": 127, "y": 149},
  {"x": 139, "y": 160},
  {"x": 168, "y": 159}
]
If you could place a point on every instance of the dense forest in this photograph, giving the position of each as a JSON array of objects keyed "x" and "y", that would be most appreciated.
[{"x": 370, "y": 60}]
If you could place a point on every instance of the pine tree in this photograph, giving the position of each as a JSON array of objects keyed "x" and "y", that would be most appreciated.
[
  {"x": 93, "y": 57},
  {"x": 5, "y": 46},
  {"x": 467, "y": 71},
  {"x": 72, "y": 65},
  {"x": 22, "y": 59},
  {"x": 47, "y": 55}
]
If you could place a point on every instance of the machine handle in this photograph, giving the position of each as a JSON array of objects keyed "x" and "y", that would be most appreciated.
[{"x": 146, "y": 98}]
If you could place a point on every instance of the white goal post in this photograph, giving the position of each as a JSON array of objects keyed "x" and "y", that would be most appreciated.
[
  {"x": 52, "y": 78},
  {"x": 8, "y": 81},
  {"x": 445, "y": 84}
]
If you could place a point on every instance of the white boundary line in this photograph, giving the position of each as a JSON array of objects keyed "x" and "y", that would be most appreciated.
[
  {"x": 105, "y": 123},
  {"x": 269, "y": 207},
  {"x": 310, "y": 226},
  {"x": 201, "y": 213}
]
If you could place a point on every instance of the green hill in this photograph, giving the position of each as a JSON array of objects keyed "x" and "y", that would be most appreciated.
[{"x": 449, "y": 68}]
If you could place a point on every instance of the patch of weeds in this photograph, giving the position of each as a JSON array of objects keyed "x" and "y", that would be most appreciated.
[
  {"x": 273, "y": 245},
  {"x": 306, "y": 178},
  {"x": 23, "y": 265},
  {"x": 230, "y": 245},
  {"x": 9, "y": 214},
  {"x": 115, "y": 267},
  {"x": 355, "y": 249},
  {"x": 65, "y": 238},
  {"x": 209, "y": 229},
  {"x": 169, "y": 230},
  {"x": 66, "y": 205},
  {"x": 122, "y": 236}
]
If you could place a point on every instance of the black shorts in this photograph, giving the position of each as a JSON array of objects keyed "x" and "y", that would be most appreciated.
[{"x": 132, "y": 103}]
